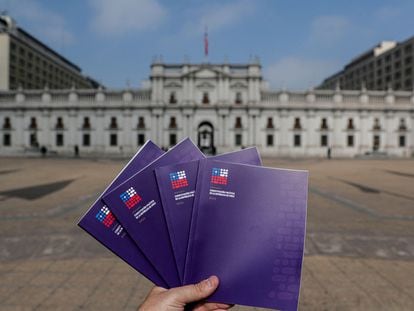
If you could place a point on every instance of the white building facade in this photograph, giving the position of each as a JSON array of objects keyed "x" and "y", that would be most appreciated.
[{"x": 221, "y": 107}]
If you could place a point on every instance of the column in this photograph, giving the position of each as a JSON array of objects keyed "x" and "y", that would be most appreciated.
[
  {"x": 364, "y": 135},
  {"x": 390, "y": 141},
  {"x": 337, "y": 141},
  {"x": 285, "y": 133},
  {"x": 312, "y": 133},
  {"x": 72, "y": 138},
  {"x": 252, "y": 115},
  {"x": 127, "y": 132},
  {"x": 99, "y": 133}
]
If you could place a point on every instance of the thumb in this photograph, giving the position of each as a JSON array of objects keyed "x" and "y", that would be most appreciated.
[{"x": 195, "y": 292}]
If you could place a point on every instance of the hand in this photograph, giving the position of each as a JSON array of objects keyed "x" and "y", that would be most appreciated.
[{"x": 176, "y": 299}]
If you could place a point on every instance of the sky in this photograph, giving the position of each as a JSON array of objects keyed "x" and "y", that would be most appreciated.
[{"x": 299, "y": 43}]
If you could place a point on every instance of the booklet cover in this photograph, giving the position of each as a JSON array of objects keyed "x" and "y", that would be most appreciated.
[
  {"x": 137, "y": 205},
  {"x": 177, "y": 185},
  {"x": 248, "y": 228},
  {"x": 100, "y": 222}
]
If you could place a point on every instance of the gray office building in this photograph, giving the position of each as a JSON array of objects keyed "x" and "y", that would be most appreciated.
[
  {"x": 389, "y": 65},
  {"x": 26, "y": 62}
]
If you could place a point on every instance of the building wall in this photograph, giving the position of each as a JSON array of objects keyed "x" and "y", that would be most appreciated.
[
  {"x": 31, "y": 68},
  {"x": 128, "y": 106},
  {"x": 4, "y": 61},
  {"x": 28, "y": 63},
  {"x": 393, "y": 68}
]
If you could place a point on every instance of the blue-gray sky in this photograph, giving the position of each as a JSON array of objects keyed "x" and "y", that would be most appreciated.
[{"x": 298, "y": 42}]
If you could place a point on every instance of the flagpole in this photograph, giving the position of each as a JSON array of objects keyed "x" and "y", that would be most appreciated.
[{"x": 206, "y": 45}]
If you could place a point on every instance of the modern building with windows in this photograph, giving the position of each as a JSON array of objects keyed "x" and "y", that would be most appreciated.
[
  {"x": 30, "y": 64},
  {"x": 390, "y": 64},
  {"x": 222, "y": 107}
]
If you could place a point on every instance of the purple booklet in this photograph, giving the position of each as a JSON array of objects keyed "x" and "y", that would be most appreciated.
[
  {"x": 177, "y": 185},
  {"x": 104, "y": 227},
  {"x": 248, "y": 228},
  {"x": 137, "y": 205}
]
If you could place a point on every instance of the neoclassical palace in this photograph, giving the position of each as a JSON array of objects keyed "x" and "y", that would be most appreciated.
[{"x": 221, "y": 107}]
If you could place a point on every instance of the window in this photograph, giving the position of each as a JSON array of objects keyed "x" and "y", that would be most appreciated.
[
  {"x": 86, "y": 140},
  {"x": 408, "y": 60},
  {"x": 6, "y": 139},
  {"x": 141, "y": 139},
  {"x": 173, "y": 123},
  {"x": 377, "y": 125},
  {"x": 350, "y": 140},
  {"x": 33, "y": 123},
  {"x": 59, "y": 139},
  {"x": 397, "y": 75},
  {"x": 173, "y": 139},
  {"x": 141, "y": 123},
  {"x": 33, "y": 140},
  {"x": 238, "y": 123},
  {"x": 113, "y": 124},
  {"x": 296, "y": 140},
  {"x": 324, "y": 124},
  {"x": 376, "y": 142},
  {"x": 402, "y": 126},
  {"x": 324, "y": 140},
  {"x": 173, "y": 99},
  {"x": 59, "y": 123},
  {"x": 206, "y": 99},
  {"x": 401, "y": 141},
  {"x": 238, "y": 98},
  {"x": 350, "y": 124},
  {"x": 269, "y": 140},
  {"x": 113, "y": 139},
  {"x": 297, "y": 125},
  {"x": 269, "y": 123},
  {"x": 86, "y": 124},
  {"x": 238, "y": 139},
  {"x": 7, "y": 123}
]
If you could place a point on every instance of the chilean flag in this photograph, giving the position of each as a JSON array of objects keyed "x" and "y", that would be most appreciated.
[
  {"x": 105, "y": 216},
  {"x": 178, "y": 179},
  {"x": 219, "y": 176},
  {"x": 130, "y": 198}
]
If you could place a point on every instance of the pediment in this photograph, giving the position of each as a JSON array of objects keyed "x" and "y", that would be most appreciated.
[
  {"x": 238, "y": 85},
  {"x": 206, "y": 73},
  {"x": 173, "y": 84},
  {"x": 205, "y": 85}
]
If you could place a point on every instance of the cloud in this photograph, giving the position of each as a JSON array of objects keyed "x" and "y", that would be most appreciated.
[
  {"x": 217, "y": 16},
  {"x": 44, "y": 23},
  {"x": 328, "y": 30},
  {"x": 299, "y": 73},
  {"x": 118, "y": 17}
]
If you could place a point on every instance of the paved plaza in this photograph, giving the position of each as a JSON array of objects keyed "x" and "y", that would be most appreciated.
[{"x": 359, "y": 247}]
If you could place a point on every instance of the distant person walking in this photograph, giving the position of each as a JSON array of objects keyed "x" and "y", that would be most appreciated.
[
  {"x": 76, "y": 149},
  {"x": 43, "y": 151},
  {"x": 328, "y": 154}
]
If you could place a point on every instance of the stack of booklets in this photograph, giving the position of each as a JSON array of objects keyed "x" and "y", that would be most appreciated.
[{"x": 179, "y": 217}]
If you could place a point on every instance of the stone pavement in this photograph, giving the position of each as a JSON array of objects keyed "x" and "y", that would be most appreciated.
[{"x": 359, "y": 248}]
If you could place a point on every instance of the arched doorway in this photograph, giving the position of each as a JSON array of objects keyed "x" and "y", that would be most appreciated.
[{"x": 205, "y": 138}]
